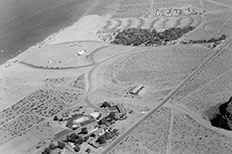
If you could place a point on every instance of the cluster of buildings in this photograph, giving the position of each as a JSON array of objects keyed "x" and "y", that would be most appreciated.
[
  {"x": 81, "y": 52},
  {"x": 93, "y": 129},
  {"x": 83, "y": 120},
  {"x": 56, "y": 146},
  {"x": 174, "y": 12}
]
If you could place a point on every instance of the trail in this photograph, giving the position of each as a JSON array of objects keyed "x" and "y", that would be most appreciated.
[
  {"x": 218, "y": 3},
  {"x": 52, "y": 68}
]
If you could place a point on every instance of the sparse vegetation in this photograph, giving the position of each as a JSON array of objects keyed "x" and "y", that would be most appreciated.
[
  {"x": 190, "y": 136},
  {"x": 213, "y": 42}
]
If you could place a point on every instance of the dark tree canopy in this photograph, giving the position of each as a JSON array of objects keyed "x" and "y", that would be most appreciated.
[
  {"x": 137, "y": 36},
  {"x": 101, "y": 139},
  {"x": 61, "y": 145},
  {"x": 52, "y": 146},
  {"x": 76, "y": 148},
  {"x": 105, "y": 104}
]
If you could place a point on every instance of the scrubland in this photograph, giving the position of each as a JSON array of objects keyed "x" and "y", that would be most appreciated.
[
  {"x": 191, "y": 137},
  {"x": 150, "y": 137},
  {"x": 212, "y": 94},
  {"x": 217, "y": 66}
]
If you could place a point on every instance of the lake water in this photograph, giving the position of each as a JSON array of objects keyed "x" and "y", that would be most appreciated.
[{"x": 23, "y": 23}]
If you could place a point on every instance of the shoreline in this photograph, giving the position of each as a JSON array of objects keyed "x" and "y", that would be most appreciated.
[
  {"x": 68, "y": 34},
  {"x": 44, "y": 41}
]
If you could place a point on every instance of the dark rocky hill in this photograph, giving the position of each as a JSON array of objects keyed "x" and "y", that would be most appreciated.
[{"x": 222, "y": 118}]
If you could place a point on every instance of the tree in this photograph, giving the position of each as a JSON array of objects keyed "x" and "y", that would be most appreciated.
[
  {"x": 79, "y": 140},
  {"x": 88, "y": 150},
  {"x": 102, "y": 121},
  {"x": 55, "y": 118},
  {"x": 73, "y": 136},
  {"x": 67, "y": 139},
  {"x": 112, "y": 115},
  {"x": 86, "y": 138},
  {"x": 52, "y": 146},
  {"x": 84, "y": 130},
  {"x": 101, "y": 139},
  {"x": 108, "y": 135},
  {"x": 76, "y": 148},
  {"x": 223, "y": 37},
  {"x": 47, "y": 150},
  {"x": 105, "y": 104},
  {"x": 61, "y": 145},
  {"x": 92, "y": 135}
]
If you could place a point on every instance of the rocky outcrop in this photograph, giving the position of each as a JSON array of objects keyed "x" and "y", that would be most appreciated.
[{"x": 222, "y": 115}]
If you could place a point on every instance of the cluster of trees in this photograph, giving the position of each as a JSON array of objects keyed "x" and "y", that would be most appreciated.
[
  {"x": 108, "y": 120},
  {"x": 211, "y": 40},
  {"x": 52, "y": 146},
  {"x": 105, "y": 104},
  {"x": 107, "y": 135},
  {"x": 84, "y": 130},
  {"x": 147, "y": 37},
  {"x": 76, "y": 139}
]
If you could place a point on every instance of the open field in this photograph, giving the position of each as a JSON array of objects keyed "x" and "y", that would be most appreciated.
[
  {"x": 116, "y": 78},
  {"x": 18, "y": 81},
  {"x": 48, "y": 100},
  {"x": 214, "y": 25},
  {"x": 215, "y": 7},
  {"x": 110, "y": 52},
  {"x": 150, "y": 137},
  {"x": 177, "y": 3},
  {"x": 19, "y": 125},
  {"x": 62, "y": 55},
  {"x": 37, "y": 137},
  {"x": 130, "y": 8},
  {"x": 225, "y": 2},
  {"x": 217, "y": 66},
  {"x": 214, "y": 93},
  {"x": 147, "y": 67},
  {"x": 191, "y": 137}
]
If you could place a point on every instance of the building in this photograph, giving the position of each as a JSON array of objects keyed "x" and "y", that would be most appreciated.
[
  {"x": 119, "y": 109},
  {"x": 80, "y": 53},
  {"x": 93, "y": 143},
  {"x": 96, "y": 115},
  {"x": 136, "y": 90},
  {"x": 74, "y": 122}
]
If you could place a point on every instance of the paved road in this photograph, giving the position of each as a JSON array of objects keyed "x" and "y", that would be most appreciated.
[{"x": 170, "y": 96}]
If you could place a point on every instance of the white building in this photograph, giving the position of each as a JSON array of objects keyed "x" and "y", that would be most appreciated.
[
  {"x": 81, "y": 52},
  {"x": 136, "y": 90}
]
